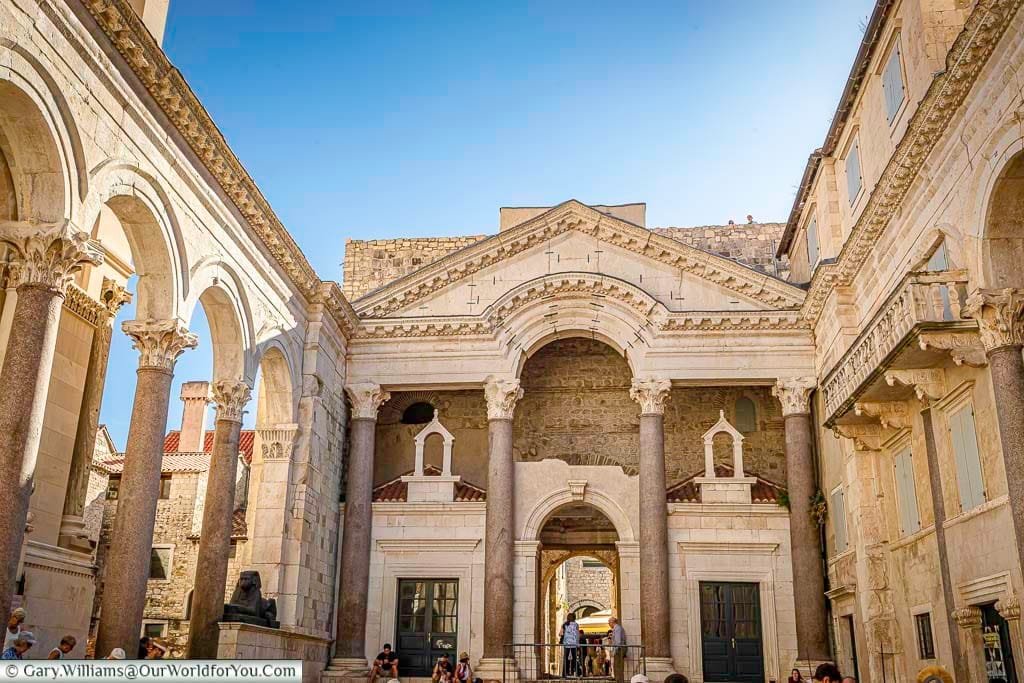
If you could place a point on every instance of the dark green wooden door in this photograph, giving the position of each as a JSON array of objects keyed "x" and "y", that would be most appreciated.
[
  {"x": 426, "y": 624},
  {"x": 730, "y": 620}
]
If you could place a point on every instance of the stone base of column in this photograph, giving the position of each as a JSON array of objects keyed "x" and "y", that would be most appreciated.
[
  {"x": 346, "y": 669},
  {"x": 498, "y": 669},
  {"x": 659, "y": 668},
  {"x": 74, "y": 535}
]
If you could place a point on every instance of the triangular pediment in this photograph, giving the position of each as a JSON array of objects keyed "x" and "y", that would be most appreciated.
[{"x": 573, "y": 237}]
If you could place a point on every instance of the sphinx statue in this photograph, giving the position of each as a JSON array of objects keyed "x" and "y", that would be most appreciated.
[{"x": 248, "y": 605}]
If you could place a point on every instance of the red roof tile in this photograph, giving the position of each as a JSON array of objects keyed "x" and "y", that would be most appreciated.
[
  {"x": 688, "y": 491},
  {"x": 245, "y": 442},
  {"x": 397, "y": 491}
]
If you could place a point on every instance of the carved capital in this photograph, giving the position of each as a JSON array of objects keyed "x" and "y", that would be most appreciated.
[
  {"x": 502, "y": 396},
  {"x": 651, "y": 393},
  {"x": 794, "y": 394},
  {"x": 865, "y": 437},
  {"x": 276, "y": 442},
  {"x": 159, "y": 342},
  {"x": 964, "y": 348},
  {"x": 47, "y": 255},
  {"x": 967, "y": 617},
  {"x": 928, "y": 384},
  {"x": 1009, "y": 608},
  {"x": 231, "y": 397},
  {"x": 1000, "y": 316},
  {"x": 890, "y": 414},
  {"x": 366, "y": 398},
  {"x": 113, "y": 296}
]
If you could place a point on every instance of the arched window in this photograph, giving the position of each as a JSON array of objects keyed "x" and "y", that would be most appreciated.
[
  {"x": 418, "y": 414},
  {"x": 746, "y": 415}
]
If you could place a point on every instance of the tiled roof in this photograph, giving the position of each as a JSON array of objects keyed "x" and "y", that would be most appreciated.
[
  {"x": 397, "y": 491},
  {"x": 173, "y": 461},
  {"x": 688, "y": 491},
  {"x": 245, "y": 442}
]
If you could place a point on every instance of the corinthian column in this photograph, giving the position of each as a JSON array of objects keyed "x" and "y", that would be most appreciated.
[
  {"x": 805, "y": 541},
  {"x": 1000, "y": 316},
  {"x": 651, "y": 394},
  {"x": 43, "y": 261},
  {"x": 73, "y": 533},
  {"x": 159, "y": 343},
  {"x": 350, "y": 645},
  {"x": 499, "y": 535},
  {"x": 230, "y": 398}
]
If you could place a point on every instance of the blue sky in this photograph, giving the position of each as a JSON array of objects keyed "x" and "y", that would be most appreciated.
[{"x": 374, "y": 120}]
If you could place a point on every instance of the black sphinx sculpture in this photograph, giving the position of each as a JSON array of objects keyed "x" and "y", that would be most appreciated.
[{"x": 247, "y": 604}]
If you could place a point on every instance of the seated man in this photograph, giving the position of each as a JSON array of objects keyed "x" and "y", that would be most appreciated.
[
  {"x": 442, "y": 670},
  {"x": 386, "y": 664}
]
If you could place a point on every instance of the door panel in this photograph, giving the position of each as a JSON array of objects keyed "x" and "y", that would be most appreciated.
[
  {"x": 731, "y": 643},
  {"x": 426, "y": 623}
]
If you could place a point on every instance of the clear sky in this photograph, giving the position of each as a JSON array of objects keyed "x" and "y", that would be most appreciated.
[{"x": 375, "y": 120}]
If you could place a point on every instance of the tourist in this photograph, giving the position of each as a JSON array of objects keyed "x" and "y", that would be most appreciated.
[
  {"x": 463, "y": 671},
  {"x": 795, "y": 676},
  {"x": 14, "y": 626},
  {"x": 386, "y": 664},
  {"x": 849, "y": 679},
  {"x": 442, "y": 670},
  {"x": 155, "y": 650},
  {"x": 569, "y": 636},
  {"x": 116, "y": 653},
  {"x": 143, "y": 652},
  {"x": 618, "y": 645},
  {"x": 21, "y": 644},
  {"x": 67, "y": 644},
  {"x": 827, "y": 673}
]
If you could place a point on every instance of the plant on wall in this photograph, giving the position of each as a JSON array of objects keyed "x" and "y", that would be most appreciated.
[{"x": 819, "y": 508}]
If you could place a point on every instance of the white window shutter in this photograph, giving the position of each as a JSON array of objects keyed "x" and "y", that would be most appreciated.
[
  {"x": 906, "y": 493},
  {"x": 968, "y": 461}
]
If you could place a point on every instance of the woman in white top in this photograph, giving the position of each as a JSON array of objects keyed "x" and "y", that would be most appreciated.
[{"x": 13, "y": 629}]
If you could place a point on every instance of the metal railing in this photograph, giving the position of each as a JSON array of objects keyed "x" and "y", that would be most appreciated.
[{"x": 587, "y": 661}]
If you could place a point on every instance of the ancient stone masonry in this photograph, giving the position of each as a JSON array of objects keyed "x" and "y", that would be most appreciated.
[
  {"x": 370, "y": 264},
  {"x": 752, "y": 244}
]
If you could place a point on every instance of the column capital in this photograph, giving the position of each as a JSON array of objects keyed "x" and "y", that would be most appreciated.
[
  {"x": 47, "y": 255},
  {"x": 113, "y": 296},
  {"x": 794, "y": 394},
  {"x": 967, "y": 617},
  {"x": 276, "y": 442},
  {"x": 1009, "y": 608},
  {"x": 501, "y": 394},
  {"x": 1000, "y": 316},
  {"x": 651, "y": 393},
  {"x": 231, "y": 396},
  {"x": 366, "y": 398},
  {"x": 159, "y": 342}
]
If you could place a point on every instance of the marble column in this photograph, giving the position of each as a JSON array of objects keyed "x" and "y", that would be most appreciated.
[
  {"x": 73, "y": 534},
  {"x": 159, "y": 343},
  {"x": 499, "y": 539},
  {"x": 230, "y": 397},
  {"x": 656, "y": 635},
  {"x": 1000, "y": 316},
  {"x": 43, "y": 262},
  {"x": 350, "y": 644},
  {"x": 805, "y": 540}
]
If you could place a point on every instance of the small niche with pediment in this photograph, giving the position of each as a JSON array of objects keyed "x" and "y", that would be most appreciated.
[
  {"x": 732, "y": 489},
  {"x": 434, "y": 488}
]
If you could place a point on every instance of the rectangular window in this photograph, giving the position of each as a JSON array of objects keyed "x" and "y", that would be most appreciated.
[
  {"x": 964, "y": 437},
  {"x": 160, "y": 564},
  {"x": 906, "y": 492},
  {"x": 154, "y": 629},
  {"x": 165, "y": 486},
  {"x": 938, "y": 261},
  {"x": 892, "y": 83},
  {"x": 812, "y": 243},
  {"x": 113, "y": 486},
  {"x": 925, "y": 643},
  {"x": 839, "y": 519},
  {"x": 853, "y": 177}
]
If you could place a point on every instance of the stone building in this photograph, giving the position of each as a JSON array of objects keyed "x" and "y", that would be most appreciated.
[{"x": 781, "y": 458}]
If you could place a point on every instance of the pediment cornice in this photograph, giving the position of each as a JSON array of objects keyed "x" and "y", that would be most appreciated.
[{"x": 575, "y": 216}]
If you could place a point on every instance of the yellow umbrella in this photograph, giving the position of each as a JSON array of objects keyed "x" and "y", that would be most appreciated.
[{"x": 596, "y": 623}]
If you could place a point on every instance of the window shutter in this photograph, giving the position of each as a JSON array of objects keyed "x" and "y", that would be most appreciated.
[
  {"x": 812, "y": 243},
  {"x": 906, "y": 492},
  {"x": 839, "y": 519},
  {"x": 892, "y": 83},
  {"x": 968, "y": 461},
  {"x": 853, "y": 180}
]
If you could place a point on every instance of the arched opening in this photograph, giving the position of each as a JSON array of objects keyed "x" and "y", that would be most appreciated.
[
  {"x": 419, "y": 413},
  {"x": 579, "y": 575},
  {"x": 32, "y": 182},
  {"x": 746, "y": 415},
  {"x": 1004, "y": 228},
  {"x": 576, "y": 406}
]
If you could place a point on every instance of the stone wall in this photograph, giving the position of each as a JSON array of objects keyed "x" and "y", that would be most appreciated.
[
  {"x": 369, "y": 264},
  {"x": 590, "y": 584},
  {"x": 752, "y": 244}
]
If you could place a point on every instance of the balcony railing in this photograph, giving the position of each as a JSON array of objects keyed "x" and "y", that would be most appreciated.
[{"x": 922, "y": 301}]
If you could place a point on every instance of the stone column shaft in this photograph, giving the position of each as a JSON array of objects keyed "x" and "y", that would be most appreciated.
[
  {"x": 127, "y": 568},
  {"x": 218, "y": 511},
  {"x": 43, "y": 261},
  {"x": 358, "y": 527}
]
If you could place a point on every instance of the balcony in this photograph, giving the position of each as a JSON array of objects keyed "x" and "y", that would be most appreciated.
[{"x": 917, "y": 327}]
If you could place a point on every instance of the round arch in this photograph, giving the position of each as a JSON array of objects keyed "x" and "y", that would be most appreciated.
[
  {"x": 225, "y": 315},
  {"x": 1002, "y": 237},
  {"x": 549, "y": 505}
]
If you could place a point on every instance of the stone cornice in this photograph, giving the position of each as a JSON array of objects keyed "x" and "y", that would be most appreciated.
[
  {"x": 969, "y": 54},
  {"x": 78, "y": 301},
  {"x": 177, "y": 101},
  {"x": 572, "y": 215}
]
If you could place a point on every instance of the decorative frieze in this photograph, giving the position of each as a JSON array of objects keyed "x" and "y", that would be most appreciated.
[
  {"x": 366, "y": 398},
  {"x": 501, "y": 395},
  {"x": 651, "y": 393},
  {"x": 159, "y": 342},
  {"x": 231, "y": 397},
  {"x": 47, "y": 255},
  {"x": 967, "y": 618},
  {"x": 1000, "y": 316},
  {"x": 794, "y": 393},
  {"x": 276, "y": 442}
]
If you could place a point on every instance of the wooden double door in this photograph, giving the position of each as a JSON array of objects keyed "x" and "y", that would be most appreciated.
[
  {"x": 427, "y": 624},
  {"x": 731, "y": 641}
]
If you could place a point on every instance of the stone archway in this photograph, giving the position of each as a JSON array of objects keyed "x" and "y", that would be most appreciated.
[{"x": 1003, "y": 238}]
